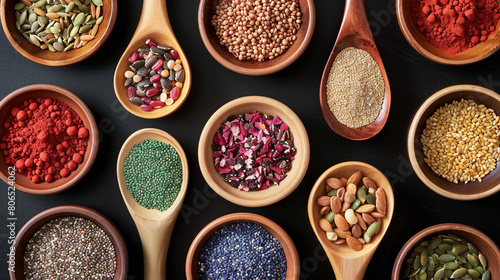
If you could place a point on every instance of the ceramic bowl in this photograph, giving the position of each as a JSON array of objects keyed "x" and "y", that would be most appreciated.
[
  {"x": 483, "y": 243},
  {"x": 46, "y": 57},
  {"x": 292, "y": 257},
  {"x": 35, "y": 223},
  {"x": 417, "y": 40},
  {"x": 461, "y": 191},
  {"x": 273, "y": 194},
  {"x": 206, "y": 12},
  {"x": 22, "y": 183}
]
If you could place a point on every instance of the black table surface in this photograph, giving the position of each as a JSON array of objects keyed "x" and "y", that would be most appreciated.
[{"x": 412, "y": 77}]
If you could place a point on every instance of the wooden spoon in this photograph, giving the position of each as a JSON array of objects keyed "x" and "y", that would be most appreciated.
[
  {"x": 155, "y": 227},
  {"x": 154, "y": 24},
  {"x": 347, "y": 263},
  {"x": 355, "y": 32}
]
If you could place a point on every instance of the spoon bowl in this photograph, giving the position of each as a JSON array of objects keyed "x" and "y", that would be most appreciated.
[
  {"x": 355, "y": 32},
  {"x": 347, "y": 263},
  {"x": 155, "y": 227},
  {"x": 154, "y": 24}
]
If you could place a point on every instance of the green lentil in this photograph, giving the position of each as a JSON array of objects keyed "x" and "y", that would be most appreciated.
[{"x": 153, "y": 174}]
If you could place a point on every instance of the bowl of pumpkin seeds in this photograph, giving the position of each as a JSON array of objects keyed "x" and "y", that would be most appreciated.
[
  {"x": 57, "y": 32},
  {"x": 448, "y": 251}
]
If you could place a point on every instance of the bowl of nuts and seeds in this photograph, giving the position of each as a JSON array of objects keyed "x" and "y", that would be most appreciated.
[
  {"x": 68, "y": 242},
  {"x": 56, "y": 33},
  {"x": 261, "y": 42},
  {"x": 253, "y": 151},
  {"x": 454, "y": 142},
  {"x": 448, "y": 251}
]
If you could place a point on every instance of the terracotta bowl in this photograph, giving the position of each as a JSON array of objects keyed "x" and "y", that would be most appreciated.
[
  {"x": 44, "y": 217},
  {"x": 22, "y": 183},
  {"x": 417, "y": 40},
  {"x": 206, "y": 11},
  {"x": 273, "y": 194},
  {"x": 292, "y": 257},
  {"x": 460, "y": 191},
  {"x": 483, "y": 243},
  {"x": 46, "y": 57}
]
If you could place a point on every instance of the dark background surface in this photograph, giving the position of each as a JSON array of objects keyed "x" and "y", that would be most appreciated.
[{"x": 412, "y": 77}]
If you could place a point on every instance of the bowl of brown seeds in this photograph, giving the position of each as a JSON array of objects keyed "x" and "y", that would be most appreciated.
[
  {"x": 448, "y": 251},
  {"x": 55, "y": 32},
  {"x": 454, "y": 142},
  {"x": 256, "y": 37},
  {"x": 68, "y": 241}
]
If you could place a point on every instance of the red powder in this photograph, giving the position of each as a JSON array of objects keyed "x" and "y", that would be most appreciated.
[
  {"x": 37, "y": 140},
  {"x": 454, "y": 26}
]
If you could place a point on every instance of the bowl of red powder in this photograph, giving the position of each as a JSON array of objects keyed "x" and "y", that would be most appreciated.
[
  {"x": 48, "y": 139},
  {"x": 452, "y": 32},
  {"x": 254, "y": 151}
]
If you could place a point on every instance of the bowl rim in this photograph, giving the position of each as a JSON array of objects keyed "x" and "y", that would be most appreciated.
[
  {"x": 435, "y": 230},
  {"x": 404, "y": 23},
  {"x": 256, "y": 71},
  {"x": 93, "y": 139},
  {"x": 412, "y": 136},
  {"x": 68, "y": 61},
  {"x": 291, "y": 254},
  {"x": 298, "y": 131},
  {"x": 90, "y": 214}
]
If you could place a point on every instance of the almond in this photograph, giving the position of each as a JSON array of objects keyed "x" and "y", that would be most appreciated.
[
  {"x": 323, "y": 200},
  {"x": 362, "y": 241},
  {"x": 325, "y": 225},
  {"x": 336, "y": 204},
  {"x": 355, "y": 178},
  {"x": 339, "y": 241},
  {"x": 349, "y": 197},
  {"x": 368, "y": 218},
  {"x": 345, "y": 206},
  {"x": 334, "y": 183},
  {"x": 356, "y": 231},
  {"x": 351, "y": 188},
  {"x": 365, "y": 208},
  {"x": 369, "y": 183},
  {"x": 341, "y": 222},
  {"x": 353, "y": 243},
  {"x": 341, "y": 193},
  {"x": 344, "y": 182},
  {"x": 324, "y": 210},
  {"x": 381, "y": 201},
  {"x": 379, "y": 221},
  {"x": 342, "y": 233},
  {"x": 361, "y": 222},
  {"x": 377, "y": 214}
]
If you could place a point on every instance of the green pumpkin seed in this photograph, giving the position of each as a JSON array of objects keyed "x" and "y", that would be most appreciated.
[
  {"x": 330, "y": 216},
  {"x": 482, "y": 260},
  {"x": 19, "y": 6},
  {"x": 69, "y": 47},
  {"x": 26, "y": 26},
  {"x": 460, "y": 249},
  {"x": 69, "y": 7},
  {"x": 445, "y": 258},
  {"x": 447, "y": 273},
  {"x": 355, "y": 204},
  {"x": 79, "y": 19},
  {"x": 407, "y": 271},
  {"x": 53, "y": 40},
  {"x": 97, "y": 2},
  {"x": 419, "y": 249},
  {"x": 431, "y": 265},
  {"x": 22, "y": 17},
  {"x": 424, "y": 258},
  {"x": 85, "y": 28},
  {"x": 435, "y": 242},
  {"x": 466, "y": 277},
  {"x": 38, "y": 4},
  {"x": 18, "y": 27},
  {"x": 473, "y": 248},
  {"x": 439, "y": 274},
  {"x": 448, "y": 240},
  {"x": 34, "y": 40},
  {"x": 58, "y": 46},
  {"x": 439, "y": 251},
  {"x": 473, "y": 273},
  {"x": 360, "y": 193},
  {"x": 458, "y": 273},
  {"x": 51, "y": 48},
  {"x": 34, "y": 27},
  {"x": 332, "y": 193},
  {"x": 32, "y": 18},
  {"x": 17, "y": 14},
  {"x": 42, "y": 21},
  {"x": 54, "y": 30},
  {"x": 74, "y": 31},
  {"x": 55, "y": 9},
  {"x": 451, "y": 265},
  {"x": 486, "y": 275},
  {"x": 372, "y": 229},
  {"x": 65, "y": 34},
  {"x": 369, "y": 198},
  {"x": 415, "y": 272},
  {"x": 90, "y": 22},
  {"x": 423, "y": 276},
  {"x": 479, "y": 269},
  {"x": 87, "y": 18},
  {"x": 445, "y": 246}
]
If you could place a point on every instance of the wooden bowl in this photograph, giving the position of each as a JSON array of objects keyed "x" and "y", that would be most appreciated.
[
  {"x": 483, "y": 243},
  {"x": 417, "y": 40},
  {"x": 35, "y": 223},
  {"x": 46, "y": 57},
  {"x": 460, "y": 191},
  {"x": 292, "y": 257},
  {"x": 22, "y": 183},
  {"x": 206, "y": 11},
  {"x": 273, "y": 194}
]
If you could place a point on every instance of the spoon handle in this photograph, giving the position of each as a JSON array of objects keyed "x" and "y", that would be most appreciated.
[
  {"x": 154, "y": 18},
  {"x": 355, "y": 20},
  {"x": 350, "y": 268}
]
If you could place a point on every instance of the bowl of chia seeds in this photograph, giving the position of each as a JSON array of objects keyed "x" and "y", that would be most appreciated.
[
  {"x": 254, "y": 151},
  {"x": 57, "y": 33},
  {"x": 66, "y": 242},
  {"x": 242, "y": 246}
]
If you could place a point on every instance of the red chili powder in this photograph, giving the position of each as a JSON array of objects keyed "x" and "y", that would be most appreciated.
[
  {"x": 454, "y": 26},
  {"x": 44, "y": 139}
]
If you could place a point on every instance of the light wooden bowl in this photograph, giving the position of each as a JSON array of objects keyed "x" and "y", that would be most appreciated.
[
  {"x": 460, "y": 191},
  {"x": 46, "y": 57},
  {"x": 273, "y": 194},
  {"x": 292, "y": 257},
  {"x": 35, "y": 223},
  {"x": 206, "y": 11},
  {"x": 417, "y": 40},
  {"x": 347, "y": 263},
  {"x": 22, "y": 183},
  {"x": 483, "y": 243}
]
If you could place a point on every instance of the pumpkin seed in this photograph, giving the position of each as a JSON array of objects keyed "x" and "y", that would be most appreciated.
[
  {"x": 369, "y": 198},
  {"x": 51, "y": 48},
  {"x": 58, "y": 46},
  {"x": 22, "y": 18},
  {"x": 473, "y": 273},
  {"x": 34, "y": 27},
  {"x": 361, "y": 195},
  {"x": 483, "y": 260},
  {"x": 486, "y": 275},
  {"x": 69, "y": 7},
  {"x": 439, "y": 274},
  {"x": 466, "y": 277},
  {"x": 84, "y": 28},
  {"x": 356, "y": 202},
  {"x": 424, "y": 258},
  {"x": 26, "y": 26},
  {"x": 54, "y": 30},
  {"x": 69, "y": 47},
  {"x": 423, "y": 276},
  {"x": 372, "y": 229},
  {"x": 416, "y": 262},
  {"x": 32, "y": 18},
  {"x": 34, "y": 40},
  {"x": 18, "y": 27},
  {"x": 330, "y": 216},
  {"x": 459, "y": 273},
  {"x": 97, "y": 2},
  {"x": 431, "y": 265},
  {"x": 473, "y": 248},
  {"x": 445, "y": 247},
  {"x": 79, "y": 18},
  {"x": 444, "y": 258},
  {"x": 38, "y": 4},
  {"x": 479, "y": 269},
  {"x": 74, "y": 31},
  {"x": 331, "y": 193},
  {"x": 19, "y": 6},
  {"x": 451, "y": 265},
  {"x": 42, "y": 21},
  {"x": 460, "y": 249},
  {"x": 415, "y": 272}
]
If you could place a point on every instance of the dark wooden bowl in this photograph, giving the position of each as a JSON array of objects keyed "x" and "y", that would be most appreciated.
[
  {"x": 461, "y": 191},
  {"x": 292, "y": 257},
  {"x": 35, "y": 223},
  {"x": 483, "y": 243},
  {"x": 46, "y": 57},
  {"x": 206, "y": 11},
  {"x": 417, "y": 40},
  {"x": 22, "y": 183}
]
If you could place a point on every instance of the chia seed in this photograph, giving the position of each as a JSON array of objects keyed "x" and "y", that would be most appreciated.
[
  {"x": 242, "y": 251},
  {"x": 70, "y": 248}
]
